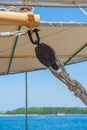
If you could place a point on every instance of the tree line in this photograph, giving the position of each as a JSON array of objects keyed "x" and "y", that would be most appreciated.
[{"x": 49, "y": 110}]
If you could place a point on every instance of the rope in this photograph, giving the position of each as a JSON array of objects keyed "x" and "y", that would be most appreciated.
[
  {"x": 83, "y": 10},
  {"x": 73, "y": 85},
  {"x": 23, "y": 9},
  {"x": 26, "y": 100},
  {"x": 9, "y": 8},
  {"x": 3, "y": 9},
  {"x": 15, "y": 33}
]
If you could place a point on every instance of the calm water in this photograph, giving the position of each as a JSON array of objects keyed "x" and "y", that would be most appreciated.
[{"x": 67, "y": 122}]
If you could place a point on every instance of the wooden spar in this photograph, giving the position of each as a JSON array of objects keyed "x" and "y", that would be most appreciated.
[{"x": 16, "y": 18}]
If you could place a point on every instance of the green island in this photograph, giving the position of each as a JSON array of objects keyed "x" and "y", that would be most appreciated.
[{"x": 49, "y": 110}]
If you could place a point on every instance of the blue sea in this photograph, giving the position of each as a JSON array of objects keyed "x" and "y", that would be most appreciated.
[{"x": 46, "y": 122}]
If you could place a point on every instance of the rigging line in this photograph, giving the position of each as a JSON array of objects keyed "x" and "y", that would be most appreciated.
[
  {"x": 23, "y": 33},
  {"x": 84, "y": 12},
  {"x": 9, "y": 8},
  {"x": 62, "y": 24},
  {"x": 3, "y": 9},
  {"x": 59, "y": 31},
  {"x": 26, "y": 100},
  {"x": 75, "y": 62},
  {"x": 12, "y": 55},
  {"x": 78, "y": 51},
  {"x": 22, "y": 44},
  {"x": 15, "y": 33},
  {"x": 73, "y": 85}
]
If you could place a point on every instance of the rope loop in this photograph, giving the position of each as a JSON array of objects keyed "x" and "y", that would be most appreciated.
[{"x": 73, "y": 85}]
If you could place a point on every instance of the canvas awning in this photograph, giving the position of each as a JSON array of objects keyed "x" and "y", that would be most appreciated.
[{"x": 17, "y": 54}]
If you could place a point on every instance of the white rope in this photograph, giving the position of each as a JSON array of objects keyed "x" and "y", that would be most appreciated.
[
  {"x": 3, "y": 9},
  {"x": 32, "y": 10},
  {"x": 9, "y": 8},
  {"x": 83, "y": 10},
  {"x": 15, "y": 33},
  {"x": 73, "y": 85}
]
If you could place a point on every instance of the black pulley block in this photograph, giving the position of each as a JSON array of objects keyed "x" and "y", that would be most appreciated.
[{"x": 46, "y": 55}]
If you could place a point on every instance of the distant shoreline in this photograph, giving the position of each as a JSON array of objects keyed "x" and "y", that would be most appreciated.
[
  {"x": 47, "y": 111},
  {"x": 36, "y": 115}
]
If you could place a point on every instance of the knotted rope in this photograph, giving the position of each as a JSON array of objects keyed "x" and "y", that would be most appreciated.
[{"x": 73, "y": 85}]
